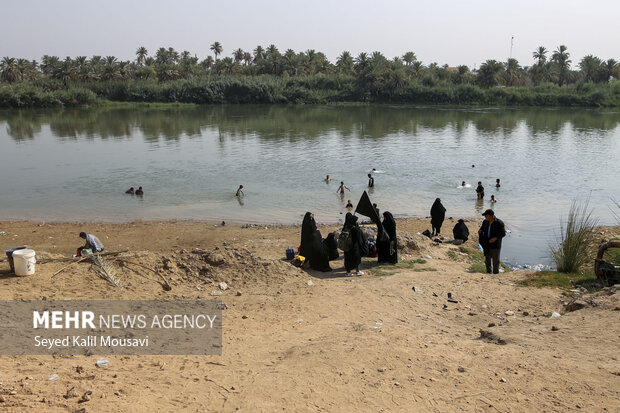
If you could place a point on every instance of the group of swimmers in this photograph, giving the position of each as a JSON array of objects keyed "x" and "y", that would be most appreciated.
[
  {"x": 138, "y": 191},
  {"x": 480, "y": 189}
]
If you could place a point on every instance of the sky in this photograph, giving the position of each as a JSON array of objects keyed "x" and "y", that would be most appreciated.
[{"x": 446, "y": 32}]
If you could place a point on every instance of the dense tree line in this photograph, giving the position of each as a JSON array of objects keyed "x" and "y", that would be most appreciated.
[{"x": 266, "y": 75}]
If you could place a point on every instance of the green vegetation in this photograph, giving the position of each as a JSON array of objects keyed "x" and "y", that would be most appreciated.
[
  {"x": 267, "y": 75},
  {"x": 576, "y": 239},
  {"x": 380, "y": 270},
  {"x": 560, "y": 280},
  {"x": 477, "y": 259}
]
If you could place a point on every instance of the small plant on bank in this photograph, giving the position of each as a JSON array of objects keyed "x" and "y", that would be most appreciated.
[{"x": 576, "y": 237}]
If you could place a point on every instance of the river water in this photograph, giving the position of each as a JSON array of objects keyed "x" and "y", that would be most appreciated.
[{"x": 76, "y": 164}]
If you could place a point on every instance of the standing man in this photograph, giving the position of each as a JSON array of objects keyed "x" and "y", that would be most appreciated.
[
  {"x": 490, "y": 237},
  {"x": 480, "y": 190},
  {"x": 371, "y": 181}
]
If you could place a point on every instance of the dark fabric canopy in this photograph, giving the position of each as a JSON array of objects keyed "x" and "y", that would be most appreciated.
[{"x": 364, "y": 207}]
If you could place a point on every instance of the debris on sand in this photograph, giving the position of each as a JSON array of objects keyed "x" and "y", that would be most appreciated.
[
  {"x": 491, "y": 337},
  {"x": 575, "y": 305}
]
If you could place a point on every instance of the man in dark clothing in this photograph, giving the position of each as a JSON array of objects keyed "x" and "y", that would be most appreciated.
[
  {"x": 480, "y": 190},
  {"x": 490, "y": 237}
]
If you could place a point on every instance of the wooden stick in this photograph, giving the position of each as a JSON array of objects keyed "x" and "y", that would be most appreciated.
[
  {"x": 67, "y": 266},
  {"x": 86, "y": 258},
  {"x": 167, "y": 287}
]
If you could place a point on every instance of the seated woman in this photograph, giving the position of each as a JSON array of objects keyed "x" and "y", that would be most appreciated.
[
  {"x": 460, "y": 232},
  {"x": 331, "y": 244},
  {"x": 312, "y": 247}
]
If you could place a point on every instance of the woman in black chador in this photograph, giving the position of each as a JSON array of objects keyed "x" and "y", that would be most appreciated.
[
  {"x": 387, "y": 251},
  {"x": 359, "y": 249},
  {"x": 332, "y": 246},
  {"x": 438, "y": 214},
  {"x": 312, "y": 247}
]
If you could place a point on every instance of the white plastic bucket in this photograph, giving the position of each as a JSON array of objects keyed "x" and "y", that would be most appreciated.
[{"x": 24, "y": 261}]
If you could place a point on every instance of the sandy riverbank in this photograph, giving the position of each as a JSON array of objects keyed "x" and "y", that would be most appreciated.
[{"x": 366, "y": 343}]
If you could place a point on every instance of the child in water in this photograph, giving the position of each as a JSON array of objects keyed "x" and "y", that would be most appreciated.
[
  {"x": 349, "y": 204},
  {"x": 327, "y": 179},
  {"x": 493, "y": 200},
  {"x": 497, "y": 184},
  {"x": 341, "y": 188},
  {"x": 240, "y": 191}
]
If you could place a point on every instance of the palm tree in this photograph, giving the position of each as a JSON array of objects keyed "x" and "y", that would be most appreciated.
[
  {"x": 49, "y": 64},
  {"x": 489, "y": 73},
  {"x": 561, "y": 59},
  {"x": 540, "y": 54},
  {"x": 162, "y": 57},
  {"x": 207, "y": 63},
  {"x": 259, "y": 53},
  {"x": 238, "y": 55},
  {"x": 610, "y": 69},
  {"x": 141, "y": 55},
  {"x": 290, "y": 62},
  {"x": 409, "y": 58},
  {"x": 590, "y": 68},
  {"x": 361, "y": 62},
  {"x": 272, "y": 49},
  {"x": 417, "y": 68},
  {"x": 65, "y": 71},
  {"x": 247, "y": 58},
  {"x": 217, "y": 49},
  {"x": 345, "y": 63},
  {"x": 8, "y": 70},
  {"x": 173, "y": 55},
  {"x": 513, "y": 72}
]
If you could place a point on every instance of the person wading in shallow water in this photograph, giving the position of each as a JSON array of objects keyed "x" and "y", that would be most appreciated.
[
  {"x": 490, "y": 237},
  {"x": 341, "y": 189},
  {"x": 480, "y": 190}
]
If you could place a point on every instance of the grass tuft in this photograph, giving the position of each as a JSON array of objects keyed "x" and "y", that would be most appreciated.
[
  {"x": 560, "y": 280},
  {"x": 572, "y": 250}
]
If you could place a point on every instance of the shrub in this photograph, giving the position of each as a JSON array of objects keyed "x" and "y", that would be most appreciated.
[{"x": 576, "y": 236}]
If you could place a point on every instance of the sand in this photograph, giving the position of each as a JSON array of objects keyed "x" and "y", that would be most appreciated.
[{"x": 368, "y": 343}]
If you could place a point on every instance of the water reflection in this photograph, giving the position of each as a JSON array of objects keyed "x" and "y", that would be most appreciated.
[{"x": 293, "y": 123}]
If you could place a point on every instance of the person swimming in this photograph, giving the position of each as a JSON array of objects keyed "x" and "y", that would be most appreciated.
[
  {"x": 463, "y": 184},
  {"x": 240, "y": 191},
  {"x": 327, "y": 179},
  {"x": 139, "y": 191},
  {"x": 130, "y": 191},
  {"x": 341, "y": 188},
  {"x": 349, "y": 204}
]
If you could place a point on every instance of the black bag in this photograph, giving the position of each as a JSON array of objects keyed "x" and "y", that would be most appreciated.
[{"x": 345, "y": 241}]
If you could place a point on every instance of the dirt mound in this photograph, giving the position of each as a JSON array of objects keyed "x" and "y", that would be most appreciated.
[
  {"x": 409, "y": 242},
  {"x": 233, "y": 265}
]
